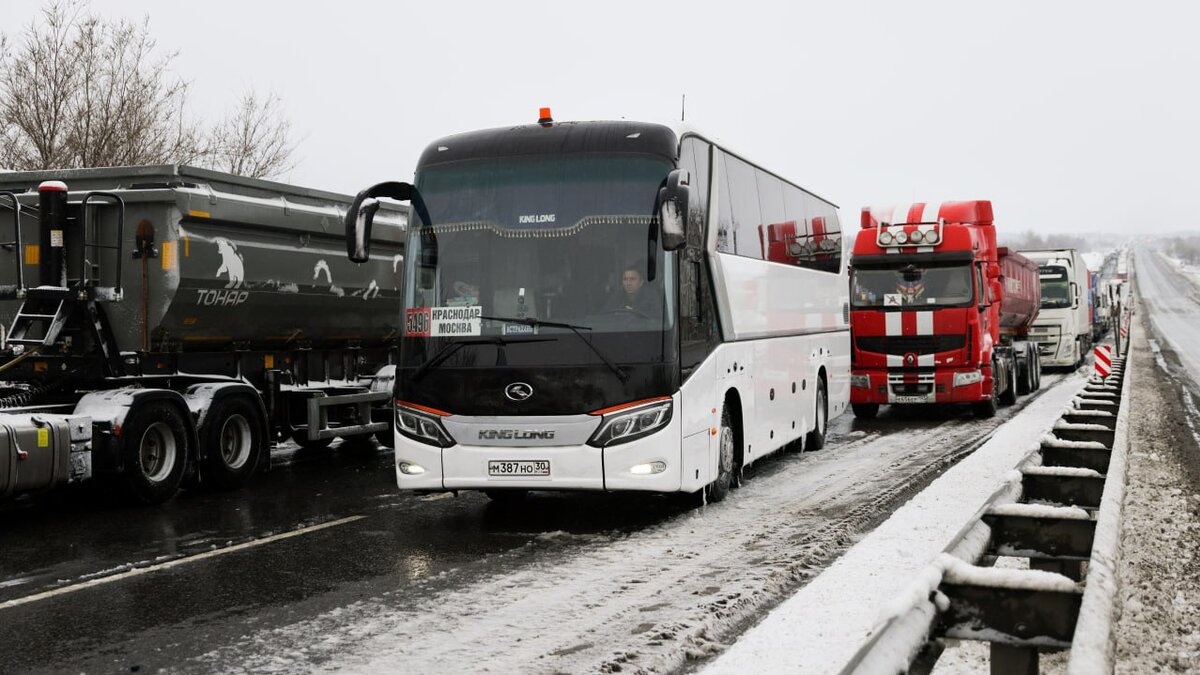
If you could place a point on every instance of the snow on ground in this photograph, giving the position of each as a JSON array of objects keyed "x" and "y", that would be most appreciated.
[
  {"x": 1191, "y": 272},
  {"x": 1159, "y": 630},
  {"x": 650, "y": 601},
  {"x": 839, "y": 609}
]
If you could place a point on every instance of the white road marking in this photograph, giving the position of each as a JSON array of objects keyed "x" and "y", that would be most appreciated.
[{"x": 174, "y": 563}]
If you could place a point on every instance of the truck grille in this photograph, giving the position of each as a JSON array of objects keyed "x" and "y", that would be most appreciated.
[{"x": 911, "y": 344}]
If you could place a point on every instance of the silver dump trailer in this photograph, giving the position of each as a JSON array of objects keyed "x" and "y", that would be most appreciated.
[{"x": 162, "y": 325}]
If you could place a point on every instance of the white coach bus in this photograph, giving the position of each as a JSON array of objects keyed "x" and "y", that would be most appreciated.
[{"x": 608, "y": 306}]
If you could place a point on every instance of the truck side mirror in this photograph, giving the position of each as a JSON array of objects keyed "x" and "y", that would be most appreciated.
[
  {"x": 673, "y": 201},
  {"x": 361, "y": 215},
  {"x": 993, "y": 271},
  {"x": 1074, "y": 295}
]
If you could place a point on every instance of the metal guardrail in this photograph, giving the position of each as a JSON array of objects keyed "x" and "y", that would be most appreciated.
[{"x": 1063, "y": 513}]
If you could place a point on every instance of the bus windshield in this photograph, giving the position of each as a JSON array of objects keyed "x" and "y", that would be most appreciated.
[
  {"x": 1056, "y": 287},
  {"x": 506, "y": 246},
  {"x": 911, "y": 286}
]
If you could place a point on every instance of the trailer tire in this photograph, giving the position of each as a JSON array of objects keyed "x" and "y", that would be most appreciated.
[
  {"x": 719, "y": 488},
  {"x": 1037, "y": 370},
  {"x": 815, "y": 440},
  {"x": 867, "y": 411},
  {"x": 154, "y": 450},
  {"x": 1025, "y": 374},
  {"x": 232, "y": 437},
  {"x": 1009, "y": 395}
]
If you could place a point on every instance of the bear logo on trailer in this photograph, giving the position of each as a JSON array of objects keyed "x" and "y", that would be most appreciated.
[{"x": 231, "y": 263}]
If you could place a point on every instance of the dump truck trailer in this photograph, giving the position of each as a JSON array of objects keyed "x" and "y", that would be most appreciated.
[{"x": 163, "y": 325}]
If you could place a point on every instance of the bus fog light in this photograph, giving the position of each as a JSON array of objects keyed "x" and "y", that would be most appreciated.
[
  {"x": 410, "y": 469},
  {"x": 860, "y": 380},
  {"x": 963, "y": 379},
  {"x": 648, "y": 469}
]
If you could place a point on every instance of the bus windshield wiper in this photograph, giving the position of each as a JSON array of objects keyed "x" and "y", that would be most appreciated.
[
  {"x": 447, "y": 350},
  {"x": 621, "y": 375}
]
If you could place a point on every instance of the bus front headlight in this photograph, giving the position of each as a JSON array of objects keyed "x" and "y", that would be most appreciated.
[
  {"x": 422, "y": 425},
  {"x": 625, "y": 424}
]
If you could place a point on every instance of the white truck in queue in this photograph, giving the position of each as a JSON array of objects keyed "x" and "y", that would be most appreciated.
[{"x": 1063, "y": 329}]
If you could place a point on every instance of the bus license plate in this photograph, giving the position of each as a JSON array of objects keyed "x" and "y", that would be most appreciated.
[
  {"x": 910, "y": 399},
  {"x": 522, "y": 467}
]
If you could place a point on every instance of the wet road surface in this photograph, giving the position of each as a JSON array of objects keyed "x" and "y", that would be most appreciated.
[{"x": 88, "y": 585}]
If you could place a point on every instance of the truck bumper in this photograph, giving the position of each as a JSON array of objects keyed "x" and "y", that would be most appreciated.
[
  {"x": 957, "y": 385},
  {"x": 1057, "y": 351}
]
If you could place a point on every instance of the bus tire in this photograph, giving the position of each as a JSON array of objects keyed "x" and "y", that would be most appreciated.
[
  {"x": 154, "y": 450},
  {"x": 867, "y": 411},
  {"x": 719, "y": 488},
  {"x": 816, "y": 438},
  {"x": 232, "y": 437}
]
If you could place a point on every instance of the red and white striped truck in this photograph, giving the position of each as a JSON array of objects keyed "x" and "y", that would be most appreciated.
[{"x": 939, "y": 313}]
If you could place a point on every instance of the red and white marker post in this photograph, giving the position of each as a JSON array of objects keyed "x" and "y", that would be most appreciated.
[{"x": 1103, "y": 360}]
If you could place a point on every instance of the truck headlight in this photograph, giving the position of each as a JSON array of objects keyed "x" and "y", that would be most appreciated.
[
  {"x": 422, "y": 424},
  {"x": 629, "y": 423},
  {"x": 970, "y": 377},
  {"x": 860, "y": 380}
]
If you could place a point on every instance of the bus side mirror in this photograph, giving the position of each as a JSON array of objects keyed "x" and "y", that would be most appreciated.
[
  {"x": 673, "y": 209},
  {"x": 361, "y": 215}
]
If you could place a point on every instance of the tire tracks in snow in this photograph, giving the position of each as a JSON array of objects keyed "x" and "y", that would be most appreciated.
[{"x": 661, "y": 599}]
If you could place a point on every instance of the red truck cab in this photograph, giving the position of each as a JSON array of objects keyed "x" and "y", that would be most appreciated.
[{"x": 939, "y": 312}]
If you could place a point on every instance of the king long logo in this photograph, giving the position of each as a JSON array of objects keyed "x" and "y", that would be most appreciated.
[{"x": 518, "y": 391}]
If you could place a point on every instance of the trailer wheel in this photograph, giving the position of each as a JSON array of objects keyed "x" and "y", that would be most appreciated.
[
  {"x": 154, "y": 449},
  {"x": 867, "y": 411},
  {"x": 719, "y": 488},
  {"x": 1025, "y": 374},
  {"x": 816, "y": 438},
  {"x": 1009, "y": 395},
  {"x": 1037, "y": 369},
  {"x": 232, "y": 438}
]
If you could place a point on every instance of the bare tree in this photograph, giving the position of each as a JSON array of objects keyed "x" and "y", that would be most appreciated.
[
  {"x": 255, "y": 140},
  {"x": 78, "y": 90}
]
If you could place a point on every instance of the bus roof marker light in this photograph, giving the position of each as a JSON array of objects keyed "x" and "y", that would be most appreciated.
[{"x": 544, "y": 117}]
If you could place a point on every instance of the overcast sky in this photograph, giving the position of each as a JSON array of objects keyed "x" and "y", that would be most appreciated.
[{"x": 1069, "y": 116}]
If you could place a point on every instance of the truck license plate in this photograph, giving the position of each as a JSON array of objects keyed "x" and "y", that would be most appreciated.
[
  {"x": 522, "y": 467},
  {"x": 910, "y": 399}
]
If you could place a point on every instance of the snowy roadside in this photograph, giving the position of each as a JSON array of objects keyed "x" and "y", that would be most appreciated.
[
  {"x": 1159, "y": 630},
  {"x": 839, "y": 609},
  {"x": 1190, "y": 272}
]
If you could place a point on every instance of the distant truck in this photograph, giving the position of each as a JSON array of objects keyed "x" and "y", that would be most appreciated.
[
  {"x": 163, "y": 324},
  {"x": 939, "y": 313},
  {"x": 1063, "y": 329}
]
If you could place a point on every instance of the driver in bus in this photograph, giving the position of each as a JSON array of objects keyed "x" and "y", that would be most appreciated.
[{"x": 634, "y": 295}]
